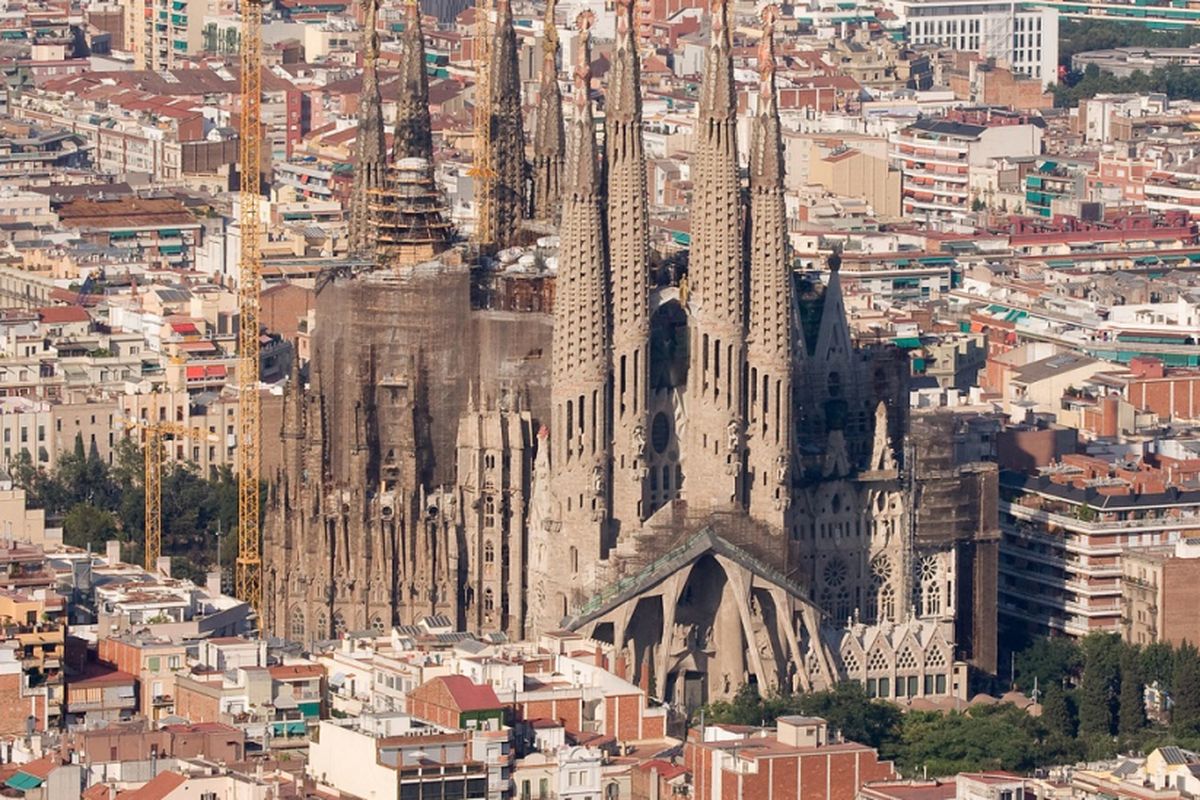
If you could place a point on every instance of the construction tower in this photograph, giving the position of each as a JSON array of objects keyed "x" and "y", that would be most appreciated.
[{"x": 248, "y": 584}]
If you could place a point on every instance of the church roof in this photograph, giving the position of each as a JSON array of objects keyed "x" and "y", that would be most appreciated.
[{"x": 705, "y": 542}]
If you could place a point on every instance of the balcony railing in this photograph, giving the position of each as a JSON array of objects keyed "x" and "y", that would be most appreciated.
[{"x": 1101, "y": 526}]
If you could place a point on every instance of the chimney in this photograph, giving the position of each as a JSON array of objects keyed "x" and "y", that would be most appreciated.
[
  {"x": 163, "y": 566},
  {"x": 112, "y": 551},
  {"x": 213, "y": 582}
]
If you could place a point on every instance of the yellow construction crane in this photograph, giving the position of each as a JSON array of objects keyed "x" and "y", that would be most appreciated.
[
  {"x": 248, "y": 583},
  {"x": 152, "y": 462},
  {"x": 481, "y": 170}
]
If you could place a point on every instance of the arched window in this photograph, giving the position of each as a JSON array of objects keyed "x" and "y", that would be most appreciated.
[
  {"x": 887, "y": 604},
  {"x": 489, "y": 553},
  {"x": 377, "y": 624},
  {"x": 296, "y": 625},
  {"x": 933, "y": 600},
  {"x": 489, "y": 512},
  {"x": 322, "y": 629},
  {"x": 339, "y": 625},
  {"x": 842, "y": 608},
  {"x": 574, "y": 559},
  {"x": 489, "y": 601}
]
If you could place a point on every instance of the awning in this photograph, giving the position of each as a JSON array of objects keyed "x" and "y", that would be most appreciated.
[
  {"x": 908, "y": 342},
  {"x": 23, "y": 782}
]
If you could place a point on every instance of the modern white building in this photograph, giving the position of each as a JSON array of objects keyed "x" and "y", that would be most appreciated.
[{"x": 1024, "y": 36}]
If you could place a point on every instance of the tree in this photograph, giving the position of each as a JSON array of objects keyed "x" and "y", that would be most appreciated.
[
  {"x": 859, "y": 718},
  {"x": 1131, "y": 716},
  {"x": 1157, "y": 663},
  {"x": 983, "y": 738},
  {"x": 86, "y": 524},
  {"x": 1099, "y": 684},
  {"x": 1050, "y": 661},
  {"x": 1185, "y": 690},
  {"x": 1057, "y": 714},
  {"x": 746, "y": 708}
]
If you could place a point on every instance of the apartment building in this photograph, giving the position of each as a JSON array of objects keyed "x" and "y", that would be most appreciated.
[
  {"x": 1020, "y": 35},
  {"x": 935, "y": 157},
  {"x": 1066, "y": 530},
  {"x": 1160, "y": 590},
  {"x": 176, "y": 30},
  {"x": 154, "y": 661},
  {"x": 1171, "y": 190},
  {"x": 397, "y": 755},
  {"x": 158, "y": 230},
  {"x": 32, "y": 640}
]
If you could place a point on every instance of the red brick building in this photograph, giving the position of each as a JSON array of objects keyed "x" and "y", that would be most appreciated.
[
  {"x": 1172, "y": 394},
  {"x": 793, "y": 762},
  {"x": 454, "y": 701}
]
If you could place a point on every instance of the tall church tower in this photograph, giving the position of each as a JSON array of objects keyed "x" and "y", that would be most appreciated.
[
  {"x": 769, "y": 438},
  {"x": 508, "y": 135},
  {"x": 713, "y": 461},
  {"x": 370, "y": 151},
  {"x": 579, "y": 443},
  {"x": 413, "y": 137},
  {"x": 629, "y": 264},
  {"x": 549, "y": 140}
]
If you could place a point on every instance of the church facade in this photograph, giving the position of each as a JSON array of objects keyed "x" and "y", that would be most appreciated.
[{"x": 706, "y": 473}]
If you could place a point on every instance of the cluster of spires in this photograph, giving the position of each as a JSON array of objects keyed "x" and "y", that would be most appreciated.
[
  {"x": 740, "y": 290},
  {"x": 396, "y": 210}
]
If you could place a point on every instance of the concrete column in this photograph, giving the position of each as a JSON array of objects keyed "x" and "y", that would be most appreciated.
[
  {"x": 671, "y": 589},
  {"x": 785, "y": 618},
  {"x": 740, "y": 580}
]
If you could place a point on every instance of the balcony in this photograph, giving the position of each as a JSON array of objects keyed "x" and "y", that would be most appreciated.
[{"x": 1103, "y": 526}]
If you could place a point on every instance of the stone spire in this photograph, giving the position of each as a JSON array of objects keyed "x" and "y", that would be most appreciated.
[
  {"x": 413, "y": 137},
  {"x": 769, "y": 347},
  {"x": 629, "y": 264},
  {"x": 370, "y": 152},
  {"x": 579, "y": 448},
  {"x": 833, "y": 388},
  {"x": 549, "y": 143},
  {"x": 507, "y": 156},
  {"x": 715, "y": 282}
]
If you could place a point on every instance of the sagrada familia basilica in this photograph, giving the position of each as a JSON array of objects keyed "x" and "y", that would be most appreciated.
[{"x": 697, "y": 466}]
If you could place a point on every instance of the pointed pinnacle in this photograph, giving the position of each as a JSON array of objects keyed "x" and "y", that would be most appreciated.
[
  {"x": 766, "y": 52},
  {"x": 583, "y": 65},
  {"x": 717, "y": 99},
  {"x": 581, "y": 164},
  {"x": 550, "y": 35}
]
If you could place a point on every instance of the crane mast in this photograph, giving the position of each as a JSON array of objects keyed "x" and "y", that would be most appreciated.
[
  {"x": 248, "y": 583},
  {"x": 482, "y": 170},
  {"x": 152, "y": 466}
]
